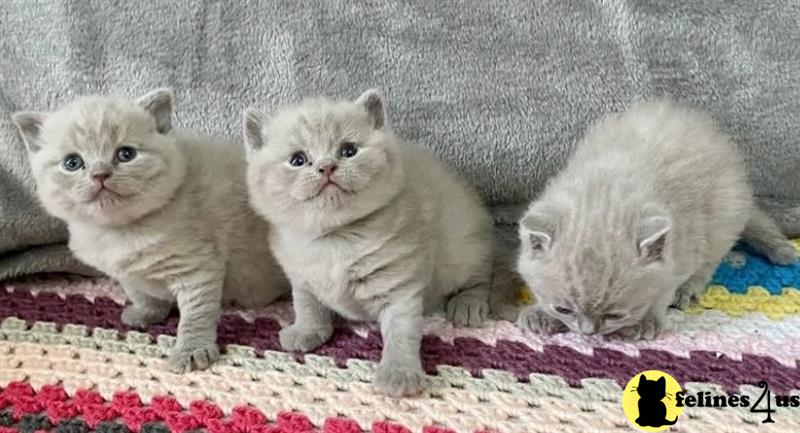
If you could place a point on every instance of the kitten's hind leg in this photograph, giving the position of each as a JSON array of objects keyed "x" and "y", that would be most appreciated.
[
  {"x": 469, "y": 307},
  {"x": 534, "y": 319},
  {"x": 144, "y": 309},
  {"x": 312, "y": 323},
  {"x": 689, "y": 292},
  {"x": 764, "y": 236}
]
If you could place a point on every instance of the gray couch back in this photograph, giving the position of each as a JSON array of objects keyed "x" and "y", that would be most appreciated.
[{"x": 500, "y": 89}]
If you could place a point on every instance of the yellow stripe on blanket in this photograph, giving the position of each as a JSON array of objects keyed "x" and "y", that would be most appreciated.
[
  {"x": 755, "y": 300},
  {"x": 796, "y": 243}
]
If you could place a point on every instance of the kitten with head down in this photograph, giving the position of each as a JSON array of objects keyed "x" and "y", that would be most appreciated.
[
  {"x": 648, "y": 205},
  {"x": 166, "y": 214},
  {"x": 368, "y": 227}
]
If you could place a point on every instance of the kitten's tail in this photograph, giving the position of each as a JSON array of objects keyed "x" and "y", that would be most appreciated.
[{"x": 763, "y": 234}]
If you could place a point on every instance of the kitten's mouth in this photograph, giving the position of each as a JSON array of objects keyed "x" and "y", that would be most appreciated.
[
  {"x": 102, "y": 193},
  {"x": 329, "y": 185}
]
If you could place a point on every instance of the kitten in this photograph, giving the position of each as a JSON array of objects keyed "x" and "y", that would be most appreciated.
[
  {"x": 367, "y": 227},
  {"x": 165, "y": 214},
  {"x": 648, "y": 205}
]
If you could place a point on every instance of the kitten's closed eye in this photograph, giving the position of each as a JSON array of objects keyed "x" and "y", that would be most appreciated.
[
  {"x": 72, "y": 162},
  {"x": 613, "y": 316},
  {"x": 564, "y": 310},
  {"x": 348, "y": 150},
  {"x": 298, "y": 159}
]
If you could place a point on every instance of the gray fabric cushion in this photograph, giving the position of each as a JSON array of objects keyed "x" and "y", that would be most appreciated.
[{"x": 501, "y": 90}]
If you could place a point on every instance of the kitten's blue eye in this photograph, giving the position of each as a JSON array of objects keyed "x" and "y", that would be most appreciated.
[
  {"x": 125, "y": 154},
  {"x": 564, "y": 310},
  {"x": 348, "y": 150},
  {"x": 298, "y": 159},
  {"x": 72, "y": 162}
]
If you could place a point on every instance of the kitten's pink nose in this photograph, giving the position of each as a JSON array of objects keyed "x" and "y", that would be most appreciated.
[
  {"x": 101, "y": 177},
  {"x": 327, "y": 168}
]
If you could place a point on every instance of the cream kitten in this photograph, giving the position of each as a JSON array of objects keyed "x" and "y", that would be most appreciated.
[
  {"x": 367, "y": 227},
  {"x": 648, "y": 205},
  {"x": 165, "y": 214}
]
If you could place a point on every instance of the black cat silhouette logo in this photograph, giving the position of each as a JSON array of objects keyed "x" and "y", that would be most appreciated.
[{"x": 649, "y": 401}]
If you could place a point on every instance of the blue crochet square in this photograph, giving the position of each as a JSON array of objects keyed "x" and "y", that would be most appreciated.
[{"x": 743, "y": 267}]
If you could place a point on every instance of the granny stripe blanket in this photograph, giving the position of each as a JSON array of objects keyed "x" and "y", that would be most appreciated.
[{"x": 67, "y": 364}]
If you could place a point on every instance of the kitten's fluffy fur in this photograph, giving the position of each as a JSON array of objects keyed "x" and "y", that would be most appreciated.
[
  {"x": 397, "y": 235},
  {"x": 172, "y": 224},
  {"x": 649, "y": 203}
]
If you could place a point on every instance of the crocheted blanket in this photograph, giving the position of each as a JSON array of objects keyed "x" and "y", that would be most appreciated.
[{"x": 67, "y": 364}]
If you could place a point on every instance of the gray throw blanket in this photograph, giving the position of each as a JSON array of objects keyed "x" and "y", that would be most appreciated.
[{"x": 500, "y": 89}]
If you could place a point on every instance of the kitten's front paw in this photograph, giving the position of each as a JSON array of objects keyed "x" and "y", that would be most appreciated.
[
  {"x": 688, "y": 293},
  {"x": 185, "y": 358},
  {"x": 785, "y": 254},
  {"x": 533, "y": 319},
  {"x": 647, "y": 329},
  {"x": 684, "y": 300},
  {"x": 296, "y": 338},
  {"x": 140, "y": 317},
  {"x": 396, "y": 381},
  {"x": 464, "y": 310}
]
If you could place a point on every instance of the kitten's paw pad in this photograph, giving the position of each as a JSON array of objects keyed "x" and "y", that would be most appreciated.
[
  {"x": 785, "y": 254},
  {"x": 138, "y": 317},
  {"x": 184, "y": 359},
  {"x": 464, "y": 311},
  {"x": 300, "y": 339},
  {"x": 399, "y": 381},
  {"x": 647, "y": 329},
  {"x": 535, "y": 320}
]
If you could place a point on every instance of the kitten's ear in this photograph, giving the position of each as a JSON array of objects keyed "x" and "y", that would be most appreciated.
[
  {"x": 30, "y": 124},
  {"x": 642, "y": 381},
  {"x": 661, "y": 381},
  {"x": 159, "y": 104},
  {"x": 253, "y": 123},
  {"x": 372, "y": 101},
  {"x": 537, "y": 231},
  {"x": 654, "y": 228}
]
